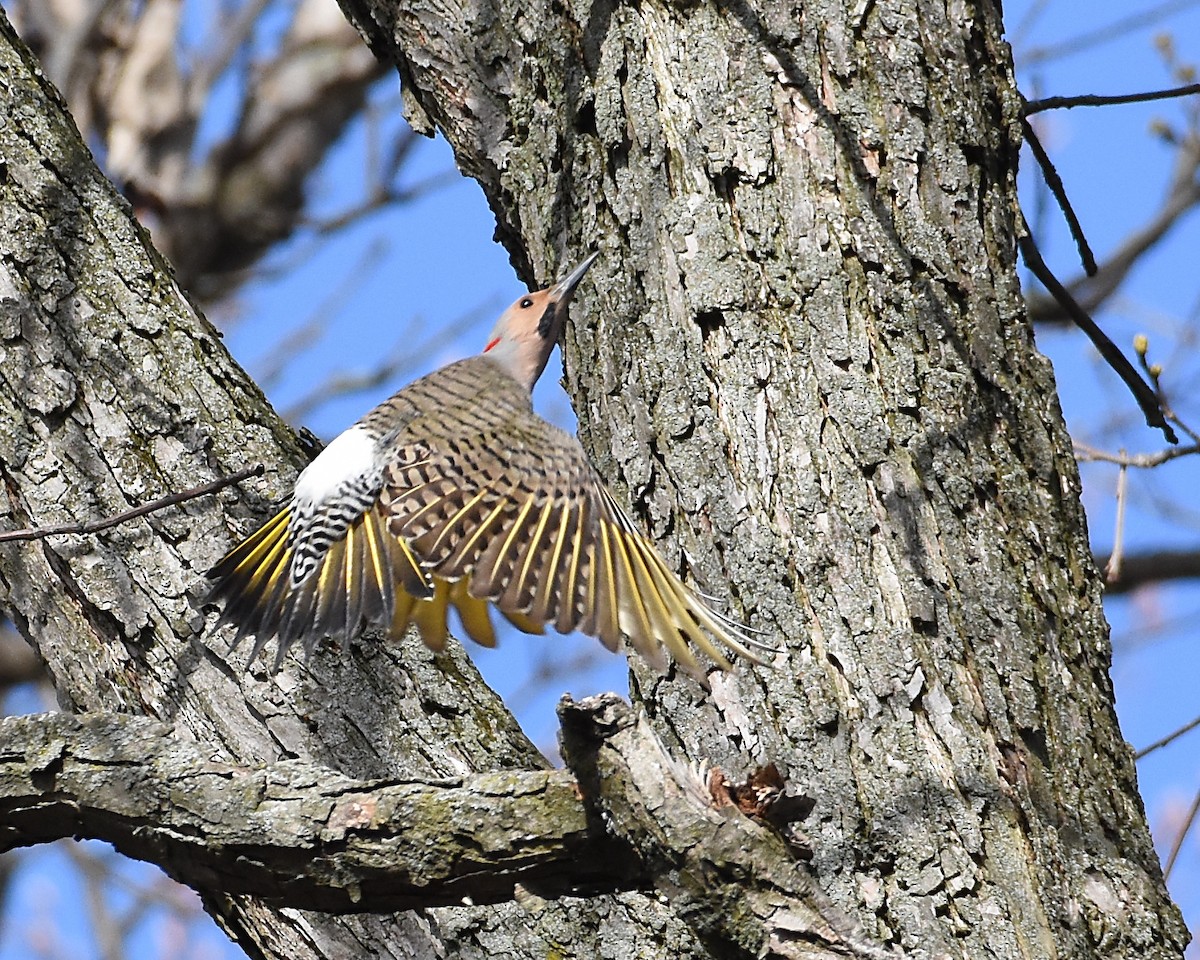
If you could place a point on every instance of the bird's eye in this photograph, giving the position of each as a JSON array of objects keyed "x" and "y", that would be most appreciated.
[{"x": 526, "y": 302}]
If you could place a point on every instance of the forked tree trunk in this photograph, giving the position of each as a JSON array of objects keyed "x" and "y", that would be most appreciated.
[{"x": 802, "y": 357}]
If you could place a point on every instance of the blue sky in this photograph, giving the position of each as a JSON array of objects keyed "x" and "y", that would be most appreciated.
[{"x": 409, "y": 272}]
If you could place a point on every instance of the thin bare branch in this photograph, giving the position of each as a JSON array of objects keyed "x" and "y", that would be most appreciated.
[
  {"x": 1168, "y": 739},
  {"x": 402, "y": 148},
  {"x": 236, "y": 34},
  {"x": 1145, "y": 396},
  {"x": 1096, "y": 100},
  {"x": 1157, "y": 566},
  {"x": 1111, "y": 31},
  {"x": 1112, "y": 570},
  {"x": 378, "y": 200},
  {"x": 309, "y": 332},
  {"x": 1088, "y": 454},
  {"x": 403, "y": 358},
  {"x": 1154, "y": 373},
  {"x": 97, "y": 877},
  {"x": 1055, "y": 184},
  {"x": 1184, "y": 830},
  {"x": 94, "y": 526},
  {"x": 1092, "y": 292},
  {"x": 1018, "y": 32}
]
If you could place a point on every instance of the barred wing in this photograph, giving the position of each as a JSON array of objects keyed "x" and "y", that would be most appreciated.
[{"x": 530, "y": 527}]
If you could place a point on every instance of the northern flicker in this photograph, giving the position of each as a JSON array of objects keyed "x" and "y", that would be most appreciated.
[{"x": 453, "y": 492}]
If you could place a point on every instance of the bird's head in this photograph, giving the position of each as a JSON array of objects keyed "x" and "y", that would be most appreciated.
[{"x": 527, "y": 331}]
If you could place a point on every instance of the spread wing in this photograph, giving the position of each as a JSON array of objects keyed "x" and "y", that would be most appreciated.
[{"x": 524, "y": 521}]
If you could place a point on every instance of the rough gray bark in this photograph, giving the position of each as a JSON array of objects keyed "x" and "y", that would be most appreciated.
[
  {"x": 807, "y": 360},
  {"x": 808, "y": 365},
  {"x": 734, "y": 881},
  {"x": 294, "y": 833},
  {"x": 297, "y": 834},
  {"x": 113, "y": 392}
]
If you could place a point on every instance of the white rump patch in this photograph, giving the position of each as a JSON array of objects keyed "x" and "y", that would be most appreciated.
[{"x": 351, "y": 455}]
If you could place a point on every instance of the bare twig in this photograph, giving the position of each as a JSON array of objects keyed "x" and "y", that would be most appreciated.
[
  {"x": 1091, "y": 292},
  {"x": 1097, "y": 100},
  {"x": 1145, "y": 396},
  {"x": 1168, "y": 739},
  {"x": 1144, "y": 461},
  {"x": 211, "y": 67},
  {"x": 310, "y": 331},
  {"x": 1054, "y": 182},
  {"x": 1018, "y": 32},
  {"x": 381, "y": 198},
  {"x": 402, "y": 147},
  {"x": 1181, "y": 836},
  {"x": 94, "y": 526},
  {"x": 345, "y": 384},
  {"x": 1159, "y": 566},
  {"x": 1153, "y": 372},
  {"x": 114, "y": 925}
]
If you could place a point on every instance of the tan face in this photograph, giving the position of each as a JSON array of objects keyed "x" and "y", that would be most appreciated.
[
  {"x": 528, "y": 318},
  {"x": 527, "y": 331}
]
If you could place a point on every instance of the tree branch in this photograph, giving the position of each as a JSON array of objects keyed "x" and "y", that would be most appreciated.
[
  {"x": 1157, "y": 566},
  {"x": 1151, "y": 407},
  {"x": 297, "y": 834},
  {"x": 1097, "y": 100},
  {"x": 300, "y": 835},
  {"x": 1090, "y": 292},
  {"x": 171, "y": 500},
  {"x": 1059, "y": 191},
  {"x": 731, "y": 879},
  {"x": 1139, "y": 20}
]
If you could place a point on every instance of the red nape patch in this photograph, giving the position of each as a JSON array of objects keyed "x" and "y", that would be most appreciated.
[{"x": 494, "y": 341}]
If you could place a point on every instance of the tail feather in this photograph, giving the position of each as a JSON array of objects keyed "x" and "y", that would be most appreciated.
[
  {"x": 524, "y": 623},
  {"x": 407, "y": 573},
  {"x": 246, "y": 558},
  {"x": 679, "y": 611},
  {"x": 658, "y": 632},
  {"x": 380, "y": 600},
  {"x": 353, "y": 582},
  {"x": 403, "y": 615},
  {"x": 326, "y": 584},
  {"x": 249, "y": 574},
  {"x": 474, "y": 615},
  {"x": 430, "y": 617}
]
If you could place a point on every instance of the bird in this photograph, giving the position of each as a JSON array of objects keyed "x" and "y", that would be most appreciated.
[{"x": 455, "y": 493}]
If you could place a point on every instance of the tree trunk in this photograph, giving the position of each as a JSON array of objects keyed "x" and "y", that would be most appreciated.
[
  {"x": 808, "y": 364},
  {"x": 114, "y": 392},
  {"x": 803, "y": 358}
]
